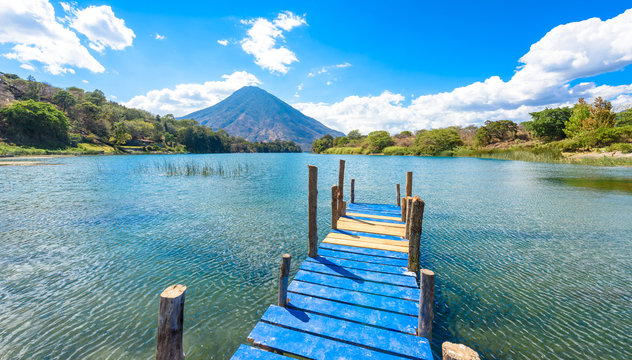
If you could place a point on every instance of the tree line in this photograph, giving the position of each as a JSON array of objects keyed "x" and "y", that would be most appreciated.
[
  {"x": 47, "y": 117},
  {"x": 583, "y": 127}
]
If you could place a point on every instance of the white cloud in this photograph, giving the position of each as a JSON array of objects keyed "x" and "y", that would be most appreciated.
[
  {"x": 328, "y": 82},
  {"x": 186, "y": 98},
  {"x": 101, "y": 27},
  {"x": 223, "y": 42},
  {"x": 159, "y": 37},
  {"x": 28, "y": 67},
  {"x": 567, "y": 53},
  {"x": 261, "y": 41},
  {"x": 326, "y": 69},
  {"x": 84, "y": 81},
  {"x": 38, "y": 36}
]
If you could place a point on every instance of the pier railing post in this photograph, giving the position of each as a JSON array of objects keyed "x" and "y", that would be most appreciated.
[
  {"x": 334, "y": 207},
  {"x": 398, "y": 198},
  {"x": 409, "y": 210},
  {"x": 453, "y": 351},
  {"x": 170, "y": 324},
  {"x": 352, "y": 191},
  {"x": 312, "y": 206},
  {"x": 283, "y": 279},
  {"x": 404, "y": 213},
  {"x": 343, "y": 211},
  {"x": 409, "y": 183},
  {"x": 417, "y": 215},
  {"x": 426, "y": 304}
]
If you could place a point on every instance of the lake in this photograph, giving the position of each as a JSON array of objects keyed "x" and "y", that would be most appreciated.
[{"x": 533, "y": 261}]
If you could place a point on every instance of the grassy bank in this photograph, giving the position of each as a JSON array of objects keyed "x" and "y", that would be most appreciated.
[{"x": 80, "y": 149}]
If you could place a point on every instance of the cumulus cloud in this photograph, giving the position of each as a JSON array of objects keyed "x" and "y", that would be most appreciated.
[
  {"x": 101, "y": 27},
  {"x": 159, "y": 37},
  {"x": 28, "y": 67},
  {"x": 38, "y": 36},
  {"x": 223, "y": 42},
  {"x": 261, "y": 41},
  {"x": 568, "y": 53},
  {"x": 186, "y": 98}
]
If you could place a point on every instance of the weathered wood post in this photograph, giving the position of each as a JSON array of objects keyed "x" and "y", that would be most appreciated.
[
  {"x": 409, "y": 210},
  {"x": 352, "y": 191},
  {"x": 398, "y": 195},
  {"x": 170, "y": 324},
  {"x": 404, "y": 209},
  {"x": 453, "y": 351},
  {"x": 426, "y": 304},
  {"x": 417, "y": 215},
  {"x": 312, "y": 206},
  {"x": 341, "y": 182},
  {"x": 334, "y": 207},
  {"x": 343, "y": 211},
  {"x": 283, "y": 279},
  {"x": 409, "y": 183}
]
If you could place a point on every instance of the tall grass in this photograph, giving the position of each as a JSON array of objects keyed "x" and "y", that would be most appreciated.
[{"x": 191, "y": 168}]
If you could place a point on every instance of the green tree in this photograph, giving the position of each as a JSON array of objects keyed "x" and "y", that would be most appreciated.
[
  {"x": 496, "y": 131},
  {"x": 549, "y": 124},
  {"x": 624, "y": 118},
  {"x": 35, "y": 123},
  {"x": 601, "y": 115},
  {"x": 378, "y": 140},
  {"x": 433, "y": 142},
  {"x": 92, "y": 119},
  {"x": 120, "y": 133},
  {"x": 354, "y": 135},
  {"x": 33, "y": 89},
  {"x": 322, "y": 144},
  {"x": 575, "y": 124},
  {"x": 96, "y": 97},
  {"x": 64, "y": 100}
]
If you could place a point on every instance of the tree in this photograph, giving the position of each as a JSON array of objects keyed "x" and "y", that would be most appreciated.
[
  {"x": 496, "y": 131},
  {"x": 322, "y": 144},
  {"x": 92, "y": 119},
  {"x": 354, "y": 135},
  {"x": 624, "y": 117},
  {"x": 33, "y": 89},
  {"x": 35, "y": 123},
  {"x": 549, "y": 124},
  {"x": 96, "y": 97},
  {"x": 64, "y": 100},
  {"x": 433, "y": 142},
  {"x": 575, "y": 124},
  {"x": 120, "y": 134},
  {"x": 378, "y": 140},
  {"x": 601, "y": 115}
]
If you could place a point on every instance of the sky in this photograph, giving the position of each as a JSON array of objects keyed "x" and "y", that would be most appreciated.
[{"x": 368, "y": 65}]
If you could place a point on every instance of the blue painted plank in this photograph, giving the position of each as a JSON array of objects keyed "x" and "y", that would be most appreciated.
[
  {"x": 310, "y": 346},
  {"x": 359, "y": 276},
  {"x": 356, "y": 298},
  {"x": 395, "y": 214},
  {"x": 384, "y": 319},
  {"x": 375, "y": 206},
  {"x": 250, "y": 353},
  {"x": 360, "y": 265},
  {"x": 414, "y": 347},
  {"x": 369, "y": 287},
  {"x": 371, "y": 260},
  {"x": 365, "y": 251},
  {"x": 373, "y": 219},
  {"x": 358, "y": 233}
]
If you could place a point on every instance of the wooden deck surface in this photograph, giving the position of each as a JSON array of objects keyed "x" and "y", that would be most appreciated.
[{"x": 355, "y": 300}]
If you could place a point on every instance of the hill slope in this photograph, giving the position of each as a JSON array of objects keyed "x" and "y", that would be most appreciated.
[{"x": 257, "y": 115}]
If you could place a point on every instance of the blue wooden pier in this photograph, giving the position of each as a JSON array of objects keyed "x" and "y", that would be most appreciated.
[{"x": 356, "y": 299}]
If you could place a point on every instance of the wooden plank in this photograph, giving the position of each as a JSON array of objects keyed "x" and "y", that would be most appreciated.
[
  {"x": 366, "y": 245},
  {"x": 371, "y": 216},
  {"x": 360, "y": 276},
  {"x": 310, "y": 346},
  {"x": 359, "y": 233},
  {"x": 384, "y": 319},
  {"x": 393, "y": 222},
  {"x": 369, "y": 287},
  {"x": 251, "y": 353},
  {"x": 369, "y": 259},
  {"x": 372, "y": 252},
  {"x": 366, "y": 239},
  {"x": 386, "y": 341},
  {"x": 360, "y": 265},
  {"x": 356, "y": 298},
  {"x": 384, "y": 207},
  {"x": 364, "y": 226}
]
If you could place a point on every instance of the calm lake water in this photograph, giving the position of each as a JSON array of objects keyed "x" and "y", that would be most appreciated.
[{"x": 533, "y": 261}]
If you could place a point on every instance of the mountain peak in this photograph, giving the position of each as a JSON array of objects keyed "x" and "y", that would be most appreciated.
[{"x": 257, "y": 115}]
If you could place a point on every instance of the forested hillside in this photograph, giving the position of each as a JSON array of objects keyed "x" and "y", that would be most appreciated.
[{"x": 38, "y": 115}]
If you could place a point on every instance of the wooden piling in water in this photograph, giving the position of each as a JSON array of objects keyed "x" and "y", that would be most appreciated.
[
  {"x": 341, "y": 182},
  {"x": 334, "y": 207},
  {"x": 426, "y": 304},
  {"x": 409, "y": 210},
  {"x": 453, "y": 351},
  {"x": 409, "y": 183},
  {"x": 170, "y": 324},
  {"x": 404, "y": 209},
  {"x": 352, "y": 191},
  {"x": 343, "y": 212},
  {"x": 312, "y": 231},
  {"x": 398, "y": 197},
  {"x": 417, "y": 215},
  {"x": 283, "y": 279}
]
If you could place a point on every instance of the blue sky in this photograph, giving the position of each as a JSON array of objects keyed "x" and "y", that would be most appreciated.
[{"x": 368, "y": 65}]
